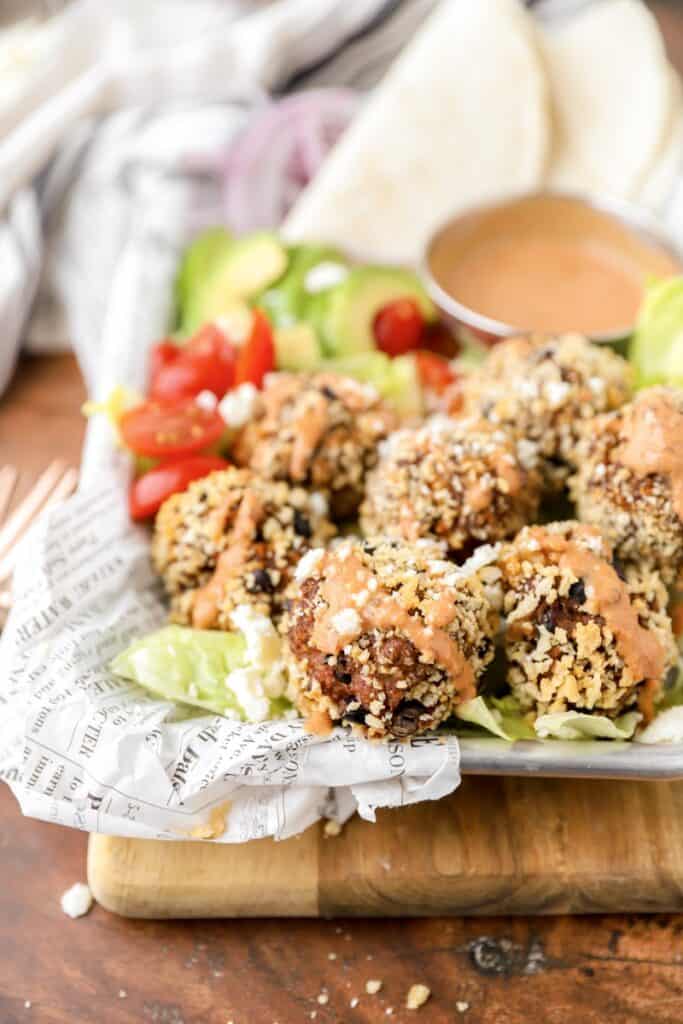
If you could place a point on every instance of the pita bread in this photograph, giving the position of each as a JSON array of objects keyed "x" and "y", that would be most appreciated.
[
  {"x": 665, "y": 172},
  {"x": 460, "y": 117},
  {"x": 611, "y": 94}
]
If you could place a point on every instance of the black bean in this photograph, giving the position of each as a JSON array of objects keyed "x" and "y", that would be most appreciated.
[
  {"x": 407, "y": 718},
  {"x": 357, "y": 716},
  {"x": 618, "y": 567},
  {"x": 577, "y": 592},
  {"x": 260, "y": 582},
  {"x": 301, "y": 524}
]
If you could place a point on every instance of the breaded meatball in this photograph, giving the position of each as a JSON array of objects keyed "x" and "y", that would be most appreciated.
[
  {"x": 231, "y": 539},
  {"x": 630, "y": 480},
  {"x": 319, "y": 431},
  {"x": 581, "y": 634},
  {"x": 387, "y": 637},
  {"x": 464, "y": 482},
  {"x": 543, "y": 389}
]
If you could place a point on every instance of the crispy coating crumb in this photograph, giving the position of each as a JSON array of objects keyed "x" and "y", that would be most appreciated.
[
  {"x": 417, "y": 996},
  {"x": 319, "y": 431},
  {"x": 563, "y": 638},
  {"x": 417, "y": 635},
  {"x": 634, "y": 508},
  {"x": 231, "y": 539},
  {"x": 543, "y": 389},
  {"x": 464, "y": 482}
]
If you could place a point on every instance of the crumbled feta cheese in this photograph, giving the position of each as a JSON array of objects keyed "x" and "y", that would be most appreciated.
[
  {"x": 324, "y": 275},
  {"x": 77, "y": 901},
  {"x": 246, "y": 684},
  {"x": 308, "y": 564},
  {"x": 238, "y": 406},
  {"x": 264, "y": 645},
  {"x": 206, "y": 400},
  {"x": 346, "y": 622}
]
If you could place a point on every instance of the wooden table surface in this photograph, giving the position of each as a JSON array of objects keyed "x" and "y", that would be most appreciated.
[{"x": 627, "y": 970}]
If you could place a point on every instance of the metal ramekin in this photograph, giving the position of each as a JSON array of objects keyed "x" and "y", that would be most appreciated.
[{"x": 487, "y": 329}]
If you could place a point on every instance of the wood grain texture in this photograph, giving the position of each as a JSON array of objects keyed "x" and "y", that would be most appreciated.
[{"x": 496, "y": 846}]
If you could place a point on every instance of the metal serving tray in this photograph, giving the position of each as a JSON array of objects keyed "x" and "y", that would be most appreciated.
[{"x": 587, "y": 759}]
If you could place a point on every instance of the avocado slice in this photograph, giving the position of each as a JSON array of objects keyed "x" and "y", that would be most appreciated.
[
  {"x": 297, "y": 348},
  {"x": 397, "y": 380},
  {"x": 198, "y": 260},
  {"x": 231, "y": 275},
  {"x": 347, "y": 312},
  {"x": 286, "y": 302}
]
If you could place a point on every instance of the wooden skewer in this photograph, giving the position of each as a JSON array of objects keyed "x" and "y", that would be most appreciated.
[{"x": 57, "y": 482}]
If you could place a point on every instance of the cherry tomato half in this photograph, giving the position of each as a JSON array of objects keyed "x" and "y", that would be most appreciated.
[
  {"x": 163, "y": 354},
  {"x": 435, "y": 372},
  {"x": 398, "y": 327},
  {"x": 149, "y": 491},
  {"x": 256, "y": 357},
  {"x": 205, "y": 363},
  {"x": 168, "y": 431}
]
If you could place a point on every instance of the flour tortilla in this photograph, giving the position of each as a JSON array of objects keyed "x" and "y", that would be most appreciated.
[
  {"x": 611, "y": 94},
  {"x": 665, "y": 172},
  {"x": 460, "y": 117}
]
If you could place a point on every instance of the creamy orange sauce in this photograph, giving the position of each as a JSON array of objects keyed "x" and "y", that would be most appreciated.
[
  {"x": 607, "y": 596},
  {"x": 548, "y": 263},
  {"x": 653, "y": 442},
  {"x": 230, "y": 562},
  {"x": 308, "y": 431},
  {"x": 319, "y": 723},
  {"x": 379, "y": 610}
]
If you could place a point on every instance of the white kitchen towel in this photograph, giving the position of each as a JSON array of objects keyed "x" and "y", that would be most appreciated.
[{"x": 127, "y": 95}]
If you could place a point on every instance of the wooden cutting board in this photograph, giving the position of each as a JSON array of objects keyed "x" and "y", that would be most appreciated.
[{"x": 496, "y": 846}]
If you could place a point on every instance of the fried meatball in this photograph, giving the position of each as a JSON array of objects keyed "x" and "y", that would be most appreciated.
[
  {"x": 231, "y": 539},
  {"x": 630, "y": 480},
  {"x": 464, "y": 482},
  {"x": 319, "y": 431},
  {"x": 387, "y": 637},
  {"x": 543, "y": 389},
  {"x": 581, "y": 634}
]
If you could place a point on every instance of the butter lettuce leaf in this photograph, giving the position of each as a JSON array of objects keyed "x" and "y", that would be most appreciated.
[
  {"x": 573, "y": 725},
  {"x": 209, "y": 669},
  {"x": 500, "y": 716}
]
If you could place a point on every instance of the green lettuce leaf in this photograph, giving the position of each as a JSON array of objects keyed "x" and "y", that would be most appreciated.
[
  {"x": 204, "y": 668},
  {"x": 502, "y": 717},
  {"x": 656, "y": 349},
  {"x": 572, "y": 725}
]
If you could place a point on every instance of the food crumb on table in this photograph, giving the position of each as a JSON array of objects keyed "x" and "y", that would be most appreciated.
[
  {"x": 373, "y": 986},
  {"x": 331, "y": 828},
  {"x": 27, "y": 1004},
  {"x": 122, "y": 993},
  {"x": 354, "y": 1002},
  {"x": 77, "y": 901},
  {"x": 417, "y": 996},
  {"x": 323, "y": 998},
  {"x": 331, "y": 956},
  {"x": 462, "y": 1006}
]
